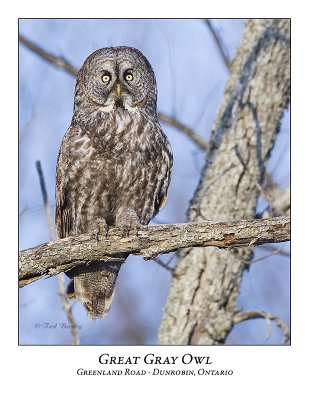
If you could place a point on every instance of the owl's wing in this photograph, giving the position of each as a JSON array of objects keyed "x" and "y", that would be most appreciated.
[
  {"x": 162, "y": 193},
  {"x": 164, "y": 174},
  {"x": 64, "y": 223},
  {"x": 163, "y": 201},
  {"x": 64, "y": 217}
]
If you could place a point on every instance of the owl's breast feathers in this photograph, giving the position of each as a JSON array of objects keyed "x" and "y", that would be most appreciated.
[{"x": 118, "y": 160}]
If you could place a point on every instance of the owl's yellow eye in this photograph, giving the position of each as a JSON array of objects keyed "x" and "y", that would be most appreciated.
[
  {"x": 128, "y": 77},
  {"x": 106, "y": 77}
]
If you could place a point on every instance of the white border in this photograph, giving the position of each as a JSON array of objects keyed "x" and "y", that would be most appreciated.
[{"x": 259, "y": 371}]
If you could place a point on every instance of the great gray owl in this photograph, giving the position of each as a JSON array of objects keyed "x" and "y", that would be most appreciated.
[{"x": 114, "y": 163}]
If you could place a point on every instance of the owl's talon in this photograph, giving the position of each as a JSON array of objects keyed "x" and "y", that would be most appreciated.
[
  {"x": 99, "y": 227},
  {"x": 128, "y": 221},
  {"x": 129, "y": 228}
]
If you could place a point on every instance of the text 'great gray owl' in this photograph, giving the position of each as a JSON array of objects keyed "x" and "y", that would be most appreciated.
[{"x": 114, "y": 163}]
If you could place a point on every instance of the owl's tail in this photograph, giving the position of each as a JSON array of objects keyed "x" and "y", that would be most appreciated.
[{"x": 94, "y": 286}]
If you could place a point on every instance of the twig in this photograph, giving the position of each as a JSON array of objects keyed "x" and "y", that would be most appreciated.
[
  {"x": 68, "y": 309},
  {"x": 163, "y": 265},
  {"x": 45, "y": 201},
  {"x": 64, "y": 64},
  {"x": 184, "y": 129},
  {"x": 65, "y": 254},
  {"x": 273, "y": 248},
  {"x": 279, "y": 200},
  {"x": 22, "y": 212},
  {"x": 25, "y": 130},
  {"x": 59, "y": 62},
  {"x": 244, "y": 316},
  {"x": 219, "y": 44},
  {"x": 28, "y": 210},
  {"x": 62, "y": 292},
  {"x": 274, "y": 252},
  {"x": 255, "y": 260}
]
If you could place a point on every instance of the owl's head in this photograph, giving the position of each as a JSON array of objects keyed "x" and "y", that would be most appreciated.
[{"x": 116, "y": 77}]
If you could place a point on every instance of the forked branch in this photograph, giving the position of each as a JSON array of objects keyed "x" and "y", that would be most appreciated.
[{"x": 247, "y": 315}]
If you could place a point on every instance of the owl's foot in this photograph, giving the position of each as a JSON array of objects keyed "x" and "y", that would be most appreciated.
[
  {"x": 128, "y": 221},
  {"x": 99, "y": 227}
]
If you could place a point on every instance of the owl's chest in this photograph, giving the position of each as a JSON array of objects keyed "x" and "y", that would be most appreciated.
[
  {"x": 124, "y": 140},
  {"x": 115, "y": 149}
]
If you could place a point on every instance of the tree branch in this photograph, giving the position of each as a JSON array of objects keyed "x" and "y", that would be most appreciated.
[
  {"x": 62, "y": 255},
  {"x": 279, "y": 200},
  {"x": 184, "y": 129},
  {"x": 247, "y": 315},
  {"x": 59, "y": 62},
  {"x": 218, "y": 43}
]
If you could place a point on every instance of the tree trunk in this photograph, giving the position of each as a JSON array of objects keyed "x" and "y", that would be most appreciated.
[{"x": 203, "y": 295}]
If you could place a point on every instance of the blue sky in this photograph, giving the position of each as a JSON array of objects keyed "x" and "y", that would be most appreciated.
[{"x": 191, "y": 77}]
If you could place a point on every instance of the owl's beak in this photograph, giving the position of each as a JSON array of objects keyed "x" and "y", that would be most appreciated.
[{"x": 118, "y": 90}]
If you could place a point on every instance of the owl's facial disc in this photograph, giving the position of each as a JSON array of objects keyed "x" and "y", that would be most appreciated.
[{"x": 119, "y": 77}]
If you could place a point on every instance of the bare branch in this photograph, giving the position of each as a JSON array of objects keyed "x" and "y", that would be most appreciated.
[
  {"x": 167, "y": 264},
  {"x": 273, "y": 248},
  {"x": 244, "y": 316},
  {"x": 59, "y": 62},
  {"x": 258, "y": 259},
  {"x": 184, "y": 129},
  {"x": 27, "y": 126},
  {"x": 65, "y": 254},
  {"x": 68, "y": 309},
  {"x": 163, "y": 265},
  {"x": 279, "y": 200},
  {"x": 23, "y": 211},
  {"x": 218, "y": 43},
  {"x": 45, "y": 201}
]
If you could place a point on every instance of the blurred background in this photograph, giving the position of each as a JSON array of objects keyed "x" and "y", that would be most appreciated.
[{"x": 191, "y": 73}]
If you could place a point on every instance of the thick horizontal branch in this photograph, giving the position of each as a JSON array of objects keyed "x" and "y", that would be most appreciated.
[{"x": 62, "y": 255}]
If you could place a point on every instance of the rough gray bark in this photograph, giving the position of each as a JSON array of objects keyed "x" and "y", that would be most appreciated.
[
  {"x": 202, "y": 301},
  {"x": 62, "y": 255}
]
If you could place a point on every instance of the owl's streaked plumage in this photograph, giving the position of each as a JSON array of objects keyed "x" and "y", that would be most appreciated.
[{"x": 114, "y": 163}]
